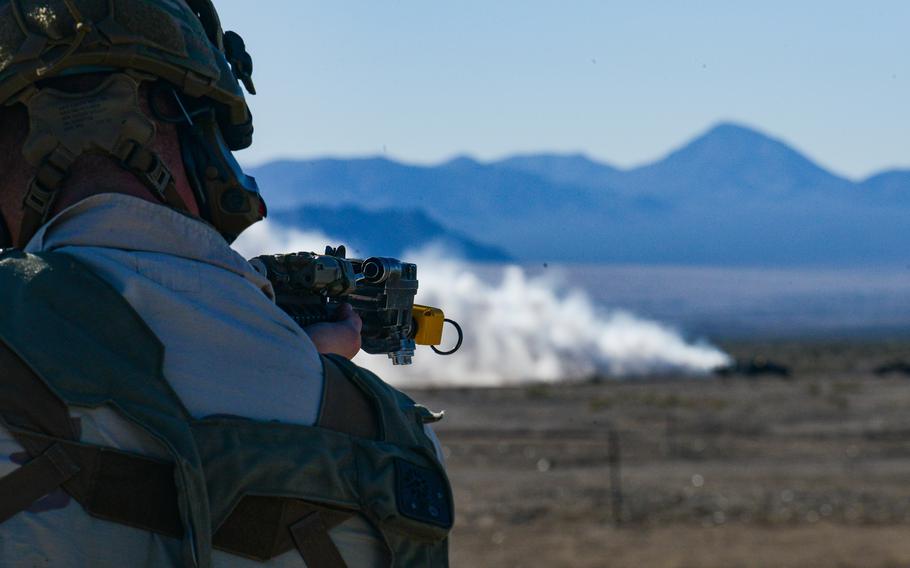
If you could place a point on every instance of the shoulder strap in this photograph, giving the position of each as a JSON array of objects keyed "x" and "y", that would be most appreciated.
[
  {"x": 345, "y": 407},
  {"x": 42, "y": 475},
  {"x": 108, "y": 483},
  {"x": 26, "y": 400}
]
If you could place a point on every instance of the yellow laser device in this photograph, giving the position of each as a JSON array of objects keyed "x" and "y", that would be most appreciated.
[{"x": 428, "y": 324}]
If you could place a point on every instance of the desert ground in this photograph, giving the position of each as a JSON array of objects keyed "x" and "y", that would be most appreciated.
[{"x": 807, "y": 470}]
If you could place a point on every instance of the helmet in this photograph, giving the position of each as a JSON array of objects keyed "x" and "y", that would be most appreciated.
[{"x": 177, "y": 45}]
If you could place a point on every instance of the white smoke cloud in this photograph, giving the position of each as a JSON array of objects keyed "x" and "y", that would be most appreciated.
[{"x": 517, "y": 329}]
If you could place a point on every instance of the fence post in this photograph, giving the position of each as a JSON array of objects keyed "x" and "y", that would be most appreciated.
[
  {"x": 614, "y": 459},
  {"x": 670, "y": 435}
]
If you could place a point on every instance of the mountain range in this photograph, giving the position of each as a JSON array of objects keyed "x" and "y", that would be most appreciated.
[
  {"x": 389, "y": 232},
  {"x": 732, "y": 195}
]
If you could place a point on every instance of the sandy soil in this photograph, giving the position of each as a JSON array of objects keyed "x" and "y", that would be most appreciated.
[{"x": 810, "y": 470}]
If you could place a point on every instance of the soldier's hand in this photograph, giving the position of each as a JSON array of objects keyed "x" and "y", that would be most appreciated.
[{"x": 341, "y": 336}]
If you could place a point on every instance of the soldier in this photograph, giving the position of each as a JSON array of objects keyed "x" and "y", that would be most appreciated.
[{"x": 156, "y": 407}]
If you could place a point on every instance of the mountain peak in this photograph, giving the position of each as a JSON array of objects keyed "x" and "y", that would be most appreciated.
[
  {"x": 735, "y": 136},
  {"x": 734, "y": 130},
  {"x": 731, "y": 157}
]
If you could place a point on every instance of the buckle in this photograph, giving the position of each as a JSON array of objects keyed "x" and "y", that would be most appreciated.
[
  {"x": 147, "y": 166},
  {"x": 39, "y": 199},
  {"x": 158, "y": 178}
]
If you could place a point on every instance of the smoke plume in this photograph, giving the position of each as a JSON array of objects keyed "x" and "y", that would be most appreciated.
[{"x": 517, "y": 328}]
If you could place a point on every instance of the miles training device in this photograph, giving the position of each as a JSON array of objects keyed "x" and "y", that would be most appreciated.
[
  {"x": 309, "y": 287},
  {"x": 169, "y": 50}
]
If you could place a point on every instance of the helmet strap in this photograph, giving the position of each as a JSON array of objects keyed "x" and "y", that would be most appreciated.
[
  {"x": 105, "y": 121},
  {"x": 227, "y": 198}
]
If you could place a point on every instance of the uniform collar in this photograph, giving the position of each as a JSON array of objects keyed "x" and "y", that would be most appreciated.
[{"x": 118, "y": 221}]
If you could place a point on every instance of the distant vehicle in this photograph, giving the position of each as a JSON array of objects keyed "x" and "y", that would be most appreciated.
[
  {"x": 899, "y": 367},
  {"x": 754, "y": 367}
]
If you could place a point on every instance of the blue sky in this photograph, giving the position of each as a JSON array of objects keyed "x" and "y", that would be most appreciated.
[{"x": 624, "y": 82}]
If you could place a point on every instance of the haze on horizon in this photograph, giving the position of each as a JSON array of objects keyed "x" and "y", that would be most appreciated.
[{"x": 623, "y": 83}]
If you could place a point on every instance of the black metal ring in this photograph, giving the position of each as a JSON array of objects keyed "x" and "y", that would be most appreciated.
[{"x": 457, "y": 345}]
